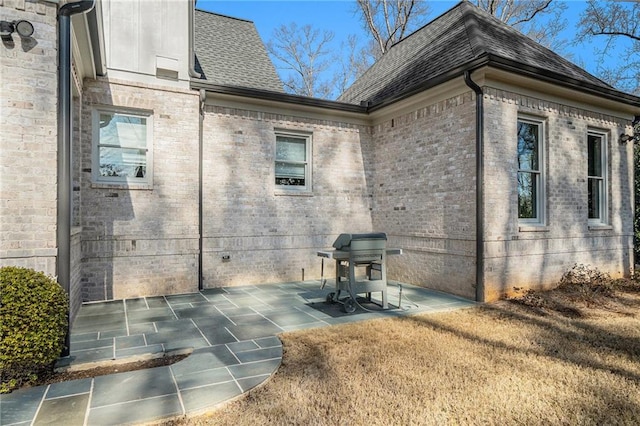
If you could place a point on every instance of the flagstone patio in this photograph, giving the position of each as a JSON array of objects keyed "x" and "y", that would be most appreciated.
[{"x": 232, "y": 336}]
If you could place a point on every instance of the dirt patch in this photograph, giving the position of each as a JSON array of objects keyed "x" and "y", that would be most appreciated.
[
  {"x": 109, "y": 368},
  {"x": 582, "y": 292}
]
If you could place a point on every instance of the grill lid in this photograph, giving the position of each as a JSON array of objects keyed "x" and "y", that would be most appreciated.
[{"x": 343, "y": 242}]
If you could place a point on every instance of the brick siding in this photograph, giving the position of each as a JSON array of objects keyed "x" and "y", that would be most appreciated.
[
  {"x": 28, "y": 140},
  {"x": 270, "y": 237},
  {"x": 142, "y": 241},
  {"x": 520, "y": 259},
  {"x": 424, "y": 193},
  {"x": 411, "y": 176}
]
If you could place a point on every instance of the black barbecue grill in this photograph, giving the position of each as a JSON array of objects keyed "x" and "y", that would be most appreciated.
[{"x": 355, "y": 253}]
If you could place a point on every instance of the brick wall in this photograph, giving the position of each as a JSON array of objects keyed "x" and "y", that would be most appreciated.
[
  {"x": 28, "y": 140},
  {"x": 523, "y": 257},
  {"x": 142, "y": 241},
  {"x": 270, "y": 237},
  {"x": 75, "y": 287},
  {"x": 424, "y": 193}
]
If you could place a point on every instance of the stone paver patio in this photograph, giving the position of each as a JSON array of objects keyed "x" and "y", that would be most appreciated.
[{"x": 231, "y": 334}]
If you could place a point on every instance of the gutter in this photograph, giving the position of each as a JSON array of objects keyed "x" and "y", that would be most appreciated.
[
  {"x": 562, "y": 80},
  {"x": 479, "y": 185},
  {"x": 277, "y": 97},
  {"x": 515, "y": 68},
  {"x": 203, "y": 98},
  {"x": 64, "y": 189}
]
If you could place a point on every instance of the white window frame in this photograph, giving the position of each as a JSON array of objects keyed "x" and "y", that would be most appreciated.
[
  {"x": 540, "y": 173},
  {"x": 122, "y": 181},
  {"x": 308, "y": 163},
  {"x": 602, "y": 180}
]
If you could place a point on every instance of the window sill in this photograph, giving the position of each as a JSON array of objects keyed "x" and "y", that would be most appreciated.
[
  {"x": 596, "y": 227},
  {"x": 533, "y": 228},
  {"x": 280, "y": 192},
  {"x": 129, "y": 186}
]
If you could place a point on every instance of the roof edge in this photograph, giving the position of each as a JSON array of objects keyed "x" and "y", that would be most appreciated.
[
  {"x": 516, "y": 68},
  {"x": 440, "y": 79},
  {"x": 277, "y": 97},
  {"x": 563, "y": 80},
  {"x": 196, "y": 9},
  {"x": 484, "y": 60}
]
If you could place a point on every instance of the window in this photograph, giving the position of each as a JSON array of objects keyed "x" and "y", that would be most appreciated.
[
  {"x": 122, "y": 147},
  {"x": 597, "y": 177},
  {"x": 292, "y": 164},
  {"x": 530, "y": 171}
]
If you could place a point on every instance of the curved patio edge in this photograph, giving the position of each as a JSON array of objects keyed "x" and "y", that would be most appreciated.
[
  {"x": 234, "y": 332},
  {"x": 207, "y": 378}
]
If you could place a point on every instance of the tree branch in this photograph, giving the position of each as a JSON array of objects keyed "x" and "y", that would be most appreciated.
[{"x": 614, "y": 33}]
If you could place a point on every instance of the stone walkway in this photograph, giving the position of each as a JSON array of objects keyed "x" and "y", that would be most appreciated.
[{"x": 232, "y": 333}]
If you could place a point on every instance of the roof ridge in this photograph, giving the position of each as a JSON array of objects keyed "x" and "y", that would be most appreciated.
[
  {"x": 224, "y": 16},
  {"x": 472, "y": 28},
  {"x": 399, "y": 44},
  {"x": 417, "y": 30}
]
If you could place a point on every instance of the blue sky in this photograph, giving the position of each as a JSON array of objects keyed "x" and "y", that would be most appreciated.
[{"x": 339, "y": 16}]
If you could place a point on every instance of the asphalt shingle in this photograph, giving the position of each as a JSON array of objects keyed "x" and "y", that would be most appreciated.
[
  {"x": 229, "y": 52},
  {"x": 464, "y": 34}
]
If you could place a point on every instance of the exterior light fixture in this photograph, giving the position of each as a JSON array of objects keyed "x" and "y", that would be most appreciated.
[
  {"x": 22, "y": 27},
  {"x": 625, "y": 138}
]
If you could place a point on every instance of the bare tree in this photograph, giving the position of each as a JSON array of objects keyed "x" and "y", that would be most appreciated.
[
  {"x": 353, "y": 62},
  {"x": 389, "y": 21},
  {"x": 515, "y": 13},
  {"x": 541, "y": 20},
  {"x": 619, "y": 22},
  {"x": 304, "y": 53},
  {"x": 613, "y": 18}
]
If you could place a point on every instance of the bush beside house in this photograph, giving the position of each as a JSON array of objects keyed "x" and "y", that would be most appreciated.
[{"x": 33, "y": 316}]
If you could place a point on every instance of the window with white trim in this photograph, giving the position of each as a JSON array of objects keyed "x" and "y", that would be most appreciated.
[
  {"x": 531, "y": 198},
  {"x": 293, "y": 162},
  {"x": 597, "y": 177},
  {"x": 122, "y": 147}
]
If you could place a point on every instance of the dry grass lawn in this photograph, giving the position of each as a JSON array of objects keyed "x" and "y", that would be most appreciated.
[{"x": 560, "y": 357}]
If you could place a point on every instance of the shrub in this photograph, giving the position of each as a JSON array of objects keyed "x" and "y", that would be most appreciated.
[
  {"x": 33, "y": 318},
  {"x": 587, "y": 282}
]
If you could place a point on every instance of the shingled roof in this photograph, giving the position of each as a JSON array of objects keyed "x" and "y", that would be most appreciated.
[
  {"x": 229, "y": 52},
  {"x": 464, "y": 37}
]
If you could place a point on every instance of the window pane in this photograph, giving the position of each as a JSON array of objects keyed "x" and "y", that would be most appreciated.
[
  {"x": 595, "y": 155},
  {"x": 123, "y": 130},
  {"x": 595, "y": 190},
  {"x": 291, "y": 149},
  {"x": 123, "y": 162},
  {"x": 290, "y": 174},
  {"x": 527, "y": 195},
  {"x": 528, "y": 146}
]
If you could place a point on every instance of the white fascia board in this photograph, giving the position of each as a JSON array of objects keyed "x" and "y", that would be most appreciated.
[{"x": 82, "y": 49}]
